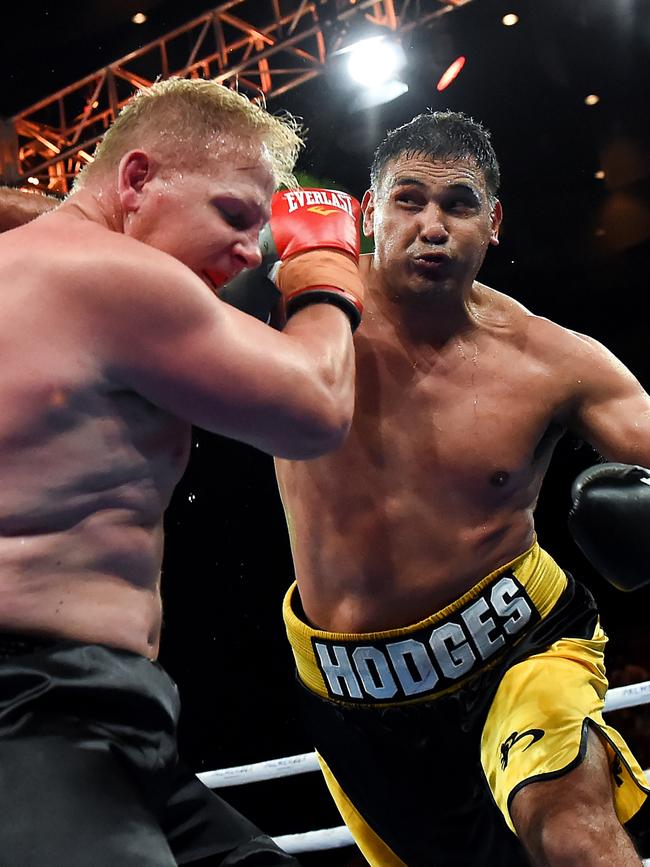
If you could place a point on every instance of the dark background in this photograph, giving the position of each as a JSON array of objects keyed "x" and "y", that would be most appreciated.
[{"x": 574, "y": 248}]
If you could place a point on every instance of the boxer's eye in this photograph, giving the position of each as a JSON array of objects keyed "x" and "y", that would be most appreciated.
[
  {"x": 409, "y": 200},
  {"x": 459, "y": 206},
  {"x": 240, "y": 215},
  {"x": 462, "y": 202},
  {"x": 235, "y": 219}
]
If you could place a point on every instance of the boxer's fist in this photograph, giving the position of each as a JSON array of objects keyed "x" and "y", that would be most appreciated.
[
  {"x": 610, "y": 522},
  {"x": 314, "y": 235}
]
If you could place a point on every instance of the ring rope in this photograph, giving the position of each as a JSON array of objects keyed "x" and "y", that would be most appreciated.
[
  {"x": 335, "y": 838},
  {"x": 315, "y": 841},
  {"x": 627, "y": 696},
  {"x": 617, "y": 698},
  {"x": 255, "y": 773}
]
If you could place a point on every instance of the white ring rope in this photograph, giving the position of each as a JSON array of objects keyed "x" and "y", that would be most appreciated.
[
  {"x": 315, "y": 841},
  {"x": 620, "y": 697},
  {"x": 334, "y": 838},
  {"x": 271, "y": 770},
  {"x": 628, "y": 696}
]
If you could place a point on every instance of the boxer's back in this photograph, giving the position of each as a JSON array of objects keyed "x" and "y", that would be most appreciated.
[{"x": 87, "y": 466}]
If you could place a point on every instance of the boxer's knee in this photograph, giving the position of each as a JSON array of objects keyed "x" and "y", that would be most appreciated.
[
  {"x": 575, "y": 836},
  {"x": 571, "y": 821}
]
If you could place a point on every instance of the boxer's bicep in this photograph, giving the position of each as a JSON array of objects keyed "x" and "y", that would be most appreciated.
[
  {"x": 215, "y": 367},
  {"x": 619, "y": 429},
  {"x": 612, "y": 409}
]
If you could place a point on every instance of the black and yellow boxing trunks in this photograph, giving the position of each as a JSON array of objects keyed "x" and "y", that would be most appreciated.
[
  {"x": 89, "y": 771},
  {"x": 426, "y": 733}
]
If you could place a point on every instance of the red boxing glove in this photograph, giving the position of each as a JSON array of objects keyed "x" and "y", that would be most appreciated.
[
  {"x": 311, "y": 219},
  {"x": 316, "y": 235},
  {"x": 310, "y": 254}
]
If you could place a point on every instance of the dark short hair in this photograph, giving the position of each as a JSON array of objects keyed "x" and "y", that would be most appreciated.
[{"x": 440, "y": 135}]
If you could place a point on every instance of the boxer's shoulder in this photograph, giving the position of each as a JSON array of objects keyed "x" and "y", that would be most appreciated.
[
  {"x": 99, "y": 287},
  {"x": 104, "y": 269},
  {"x": 567, "y": 357},
  {"x": 578, "y": 366},
  {"x": 541, "y": 336}
]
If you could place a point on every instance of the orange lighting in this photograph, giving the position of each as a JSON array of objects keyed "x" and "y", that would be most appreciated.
[
  {"x": 139, "y": 18},
  {"x": 510, "y": 19},
  {"x": 592, "y": 99},
  {"x": 450, "y": 73},
  {"x": 599, "y": 175}
]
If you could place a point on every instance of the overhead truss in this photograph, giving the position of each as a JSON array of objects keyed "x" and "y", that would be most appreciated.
[{"x": 265, "y": 48}]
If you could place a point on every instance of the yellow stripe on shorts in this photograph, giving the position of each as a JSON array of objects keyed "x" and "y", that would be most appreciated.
[{"x": 435, "y": 655}]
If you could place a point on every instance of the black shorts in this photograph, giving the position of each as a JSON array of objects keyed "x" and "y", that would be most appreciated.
[
  {"x": 426, "y": 733},
  {"x": 89, "y": 771}
]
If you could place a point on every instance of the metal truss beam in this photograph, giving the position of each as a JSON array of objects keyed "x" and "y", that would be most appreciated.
[{"x": 264, "y": 48}]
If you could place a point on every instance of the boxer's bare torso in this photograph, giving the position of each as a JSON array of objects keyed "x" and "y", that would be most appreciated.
[
  {"x": 437, "y": 482},
  {"x": 111, "y": 349},
  {"x": 88, "y": 466}
]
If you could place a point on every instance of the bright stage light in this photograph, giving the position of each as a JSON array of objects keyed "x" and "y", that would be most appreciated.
[
  {"x": 375, "y": 61},
  {"x": 592, "y": 99}
]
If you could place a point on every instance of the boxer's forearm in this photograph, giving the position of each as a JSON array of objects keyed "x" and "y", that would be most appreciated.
[
  {"x": 323, "y": 382},
  {"x": 18, "y": 207}
]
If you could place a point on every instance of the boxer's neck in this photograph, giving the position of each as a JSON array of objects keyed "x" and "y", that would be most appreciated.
[
  {"x": 428, "y": 319},
  {"x": 98, "y": 205}
]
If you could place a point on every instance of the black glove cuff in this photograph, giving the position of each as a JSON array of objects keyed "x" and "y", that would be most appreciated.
[{"x": 326, "y": 296}]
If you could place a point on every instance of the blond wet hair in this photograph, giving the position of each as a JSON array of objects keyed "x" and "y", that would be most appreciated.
[{"x": 179, "y": 118}]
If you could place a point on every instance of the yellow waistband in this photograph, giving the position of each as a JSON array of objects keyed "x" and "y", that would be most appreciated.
[{"x": 415, "y": 662}]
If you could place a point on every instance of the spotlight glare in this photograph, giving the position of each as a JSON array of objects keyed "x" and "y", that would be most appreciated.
[
  {"x": 592, "y": 99},
  {"x": 450, "y": 73},
  {"x": 378, "y": 94},
  {"x": 599, "y": 175},
  {"x": 374, "y": 61},
  {"x": 139, "y": 18},
  {"x": 34, "y": 181},
  {"x": 510, "y": 19}
]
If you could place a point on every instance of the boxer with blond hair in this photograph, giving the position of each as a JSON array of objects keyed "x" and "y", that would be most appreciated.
[{"x": 114, "y": 343}]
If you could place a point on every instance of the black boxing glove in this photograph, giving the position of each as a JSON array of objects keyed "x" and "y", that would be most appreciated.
[
  {"x": 610, "y": 522},
  {"x": 254, "y": 290}
]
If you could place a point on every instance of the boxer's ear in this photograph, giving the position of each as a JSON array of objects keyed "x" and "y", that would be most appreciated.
[
  {"x": 368, "y": 210},
  {"x": 134, "y": 172},
  {"x": 496, "y": 217}
]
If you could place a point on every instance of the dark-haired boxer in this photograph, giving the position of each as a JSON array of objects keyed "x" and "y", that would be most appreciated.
[
  {"x": 452, "y": 673},
  {"x": 113, "y": 344}
]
